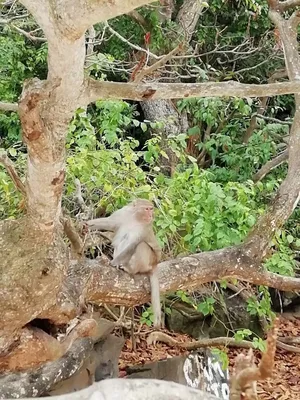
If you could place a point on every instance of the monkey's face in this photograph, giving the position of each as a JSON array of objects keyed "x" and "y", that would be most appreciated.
[
  {"x": 148, "y": 214},
  {"x": 144, "y": 211}
]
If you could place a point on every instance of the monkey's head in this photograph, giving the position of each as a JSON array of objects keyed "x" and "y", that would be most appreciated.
[{"x": 143, "y": 210}]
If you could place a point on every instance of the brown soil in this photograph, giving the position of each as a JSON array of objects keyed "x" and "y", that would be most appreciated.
[{"x": 284, "y": 384}]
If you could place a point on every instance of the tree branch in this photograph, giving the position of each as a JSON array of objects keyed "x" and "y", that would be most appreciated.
[
  {"x": 275, "y": 120},
  {"x": 29, "y": 35},
  {"x": 10, "y": 168},
  {"x": 275, "y": 162},
  {"x": 149, "y": 70},
  {"x": 155, "y": 337},
  {"x": 134, "y": 46},
  {"x": 286, "y": 5},
  {"x": 79, "y": 15},
  {"x": 8, "y": 106},
  {"x": 73, "y": 236},
  {"x": 109, "y": 285},
  {"x": 95, "y": 90}
]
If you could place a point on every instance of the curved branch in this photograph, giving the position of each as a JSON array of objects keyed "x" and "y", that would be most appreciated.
[
  {"x": 275, "y": 162},
  {"x": 109, "y": 285},
  {"x": 95, "y": 90},
  {"x": 10, "y": 168}
]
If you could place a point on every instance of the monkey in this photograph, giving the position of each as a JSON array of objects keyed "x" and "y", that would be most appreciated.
[{"x": 136, "y": 248}]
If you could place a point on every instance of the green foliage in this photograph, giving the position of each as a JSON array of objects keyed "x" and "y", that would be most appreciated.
[
  {"x": 261, "y": 307},
  {"x": 147, "y": 316},
  {"x": 111, "y": 119},
  {"x": 245, "y": 334},
  {"x": 185, "y": 298},
  {"x": 206, "y": 307},
  {"x": 221, "y": 357},
  {"x": 19, "y": 60},
  {"x": 227, "y": 121},
  {"x": 10, "y": 205}
]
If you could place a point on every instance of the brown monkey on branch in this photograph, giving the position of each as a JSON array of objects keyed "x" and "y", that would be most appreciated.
[{"x": 136, "y": 248}]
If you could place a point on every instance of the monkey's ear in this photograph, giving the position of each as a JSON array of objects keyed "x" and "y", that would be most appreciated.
[{"x": 134, "y": 203}]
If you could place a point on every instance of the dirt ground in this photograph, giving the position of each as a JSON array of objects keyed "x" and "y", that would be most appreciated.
[{"x": 284, "y": 384}]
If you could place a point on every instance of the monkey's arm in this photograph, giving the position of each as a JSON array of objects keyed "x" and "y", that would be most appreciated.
[
  {"x": 125, "y": 255},
  {"x": 153, "y": 243},
  {"x": 103, "y": 224}
]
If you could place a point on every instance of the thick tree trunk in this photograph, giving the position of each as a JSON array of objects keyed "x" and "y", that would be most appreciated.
[
  {"x": 174, "y": 124},
  {"x": 33, "y": 253}
]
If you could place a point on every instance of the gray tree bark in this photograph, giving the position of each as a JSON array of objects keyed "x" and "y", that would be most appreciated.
[{"x": 165, "y": 110}]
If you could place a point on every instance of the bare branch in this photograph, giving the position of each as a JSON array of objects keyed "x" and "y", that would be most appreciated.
[
  {"x": 135, "y": 15},
  {"x": 271, "y": 119},
  {"x": 131, "y": 91},
  {"x": 28, "y": 34},
  {"x": 8, "y": 106},
  {"x": 155, "y": 337},
  {"x": 72, "y": 234},
  {"x": 148, "y": 71},
  {"x": 134, "y": 46},
  {"x": 10, "y": 168},
  {"x": 275, "y": 162},
  {"x": 115, "y": 287}
]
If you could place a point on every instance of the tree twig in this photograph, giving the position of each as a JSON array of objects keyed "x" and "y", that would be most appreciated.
[
  {"x": 149, "y": 70},
  {"x": 134, "y": 46},
  {"x": 28, "y": 35},
  {"x": 275, "y": 162},
  {"x": 76, "y": 242},
  {"x": 10, "y": 168},
  {"x": 8, "y": 106},
  {"x": 156, "y": 336}
]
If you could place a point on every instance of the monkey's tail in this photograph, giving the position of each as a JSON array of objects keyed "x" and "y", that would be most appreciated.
[{"x": 155, "y": 298}]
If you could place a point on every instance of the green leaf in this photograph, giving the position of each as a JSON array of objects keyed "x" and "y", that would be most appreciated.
[
  {"x": 164, "y": 154},
  {"x": 290, "y": 239},
  {"x": 195, "y": 130},
  {"x": 143, "y": 126},
  {"x": 12, "y": 151}
]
